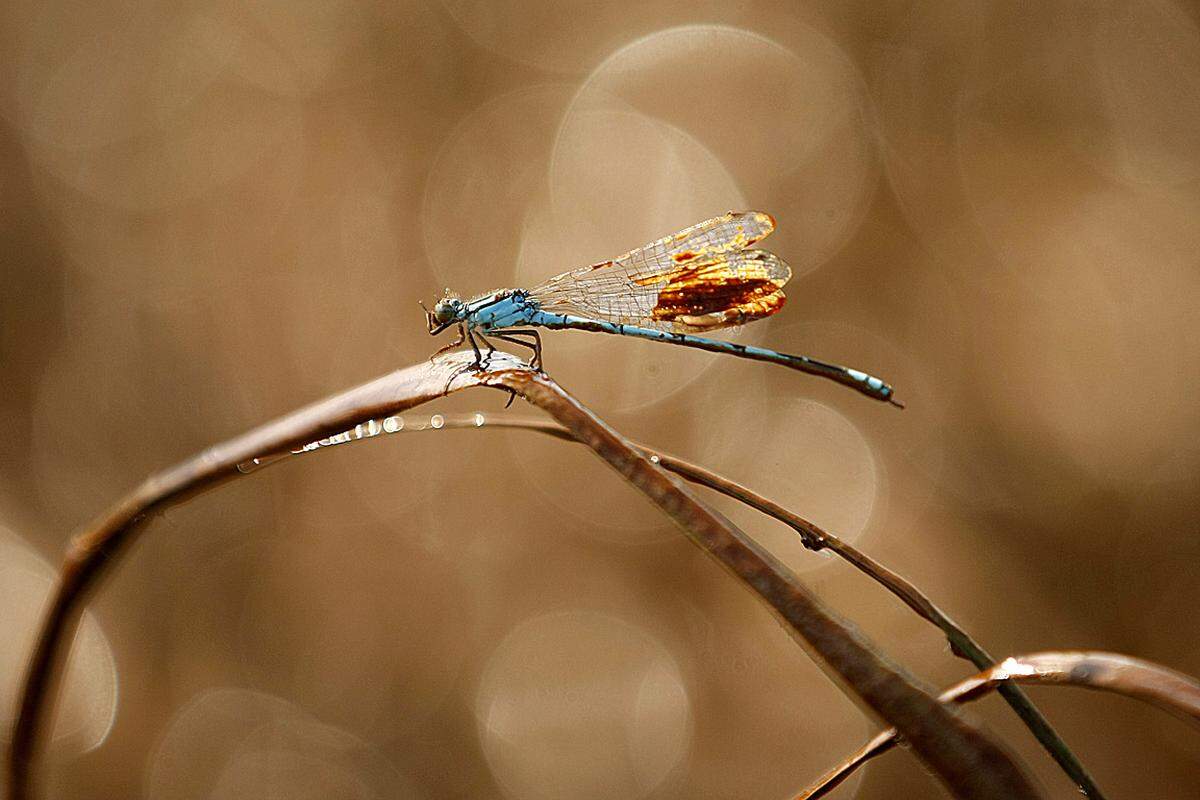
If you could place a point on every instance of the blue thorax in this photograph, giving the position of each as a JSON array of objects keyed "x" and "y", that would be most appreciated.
[{"x": 504, "y": 309}]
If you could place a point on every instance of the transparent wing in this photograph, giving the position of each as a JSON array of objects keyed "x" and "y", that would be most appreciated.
[{"x": 699, "y": 278}]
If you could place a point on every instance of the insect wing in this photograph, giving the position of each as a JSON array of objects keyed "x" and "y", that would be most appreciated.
[
  {"x": 716, "y": 292},
  {"x": 710, "y": 257}
]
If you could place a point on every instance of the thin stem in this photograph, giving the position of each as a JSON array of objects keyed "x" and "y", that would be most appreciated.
[
  {"x": 1152, "y": 683},
  {"x": 961, "y": 643}
]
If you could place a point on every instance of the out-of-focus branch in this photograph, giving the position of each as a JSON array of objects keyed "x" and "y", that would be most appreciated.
[
  {"x": 965, "y": 759},
  {"x": 1152, "y": 683},
  {"x": 815, "y": 538}
]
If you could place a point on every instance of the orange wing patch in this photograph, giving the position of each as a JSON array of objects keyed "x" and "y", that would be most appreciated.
[
  {"x": 716, "y": 294},
  {"x": 748, "y": 311}
]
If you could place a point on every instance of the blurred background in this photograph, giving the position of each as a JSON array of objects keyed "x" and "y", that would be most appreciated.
[{"x": 215, "y": 212}]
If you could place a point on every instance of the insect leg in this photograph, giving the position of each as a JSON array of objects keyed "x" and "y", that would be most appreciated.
[
  {"x": 490, "y": 347},
  {"x": 476, "y": 365},
  {"x": 536, "y": 347},
  {"x": 508, "y": 337},
  {"x": 461, "y": 338},
  {"x": 475, "y": 347}
]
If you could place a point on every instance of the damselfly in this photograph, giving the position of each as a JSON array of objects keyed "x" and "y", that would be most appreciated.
[{"x": 703, "y": 278}]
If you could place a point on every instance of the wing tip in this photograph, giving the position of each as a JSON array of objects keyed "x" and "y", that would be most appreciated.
[
  {"x": 749, "y": 212},
  {"x": 765, "y": 221},
  {"x": 779, "y": 270}
]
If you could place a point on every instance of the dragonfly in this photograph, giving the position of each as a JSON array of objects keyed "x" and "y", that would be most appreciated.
[{"x": 703, "y": 278}]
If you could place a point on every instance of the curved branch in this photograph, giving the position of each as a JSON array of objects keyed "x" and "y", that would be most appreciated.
[
  {"x": 102, "y": 541},
  {"x": 1152, "y": 683},
  {"x": 966, "y": 760}
]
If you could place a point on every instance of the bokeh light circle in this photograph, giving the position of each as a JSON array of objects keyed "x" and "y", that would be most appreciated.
[
  {"x": 359, "y": 658},
  {"x": 820, "y": 465},
  {"x": 1095, "y": 281},
  {"x": 87, "y": 705},
  {"x": 229, "y": 742},
  {"x": 486, "y": 179},
  {"x": 584, "y": 705}
]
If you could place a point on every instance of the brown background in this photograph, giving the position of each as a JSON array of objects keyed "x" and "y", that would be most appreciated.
[{"x": 213, "y": 212}]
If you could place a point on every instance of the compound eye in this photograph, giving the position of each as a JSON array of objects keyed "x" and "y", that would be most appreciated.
[{"x": 444, "y": 310}]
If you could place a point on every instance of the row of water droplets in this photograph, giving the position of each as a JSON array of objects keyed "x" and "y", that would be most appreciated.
[{"x": 369, "y": 430}]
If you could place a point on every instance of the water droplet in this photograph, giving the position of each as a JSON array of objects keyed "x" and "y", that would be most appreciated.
[
  {"x": 393, "y": 424},
  {"x": 437, "y": 421},
  {"x": 258, "y": 462},
  {"x": 479, "y": 420},
  {"x": 655, "y": 459}
]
